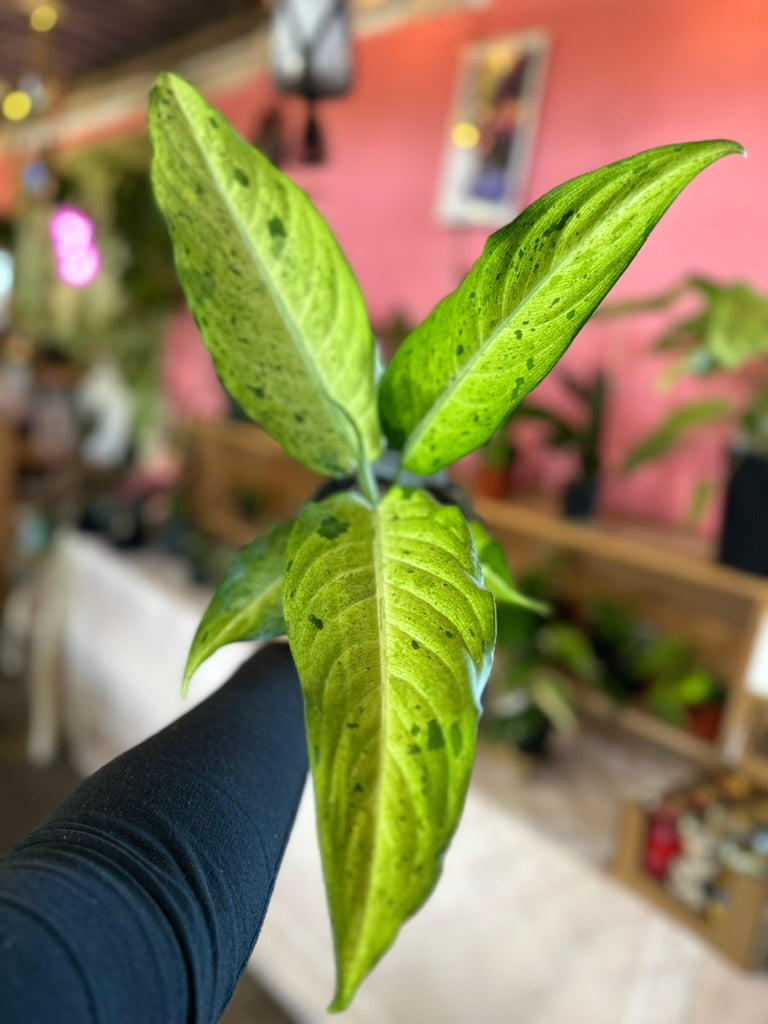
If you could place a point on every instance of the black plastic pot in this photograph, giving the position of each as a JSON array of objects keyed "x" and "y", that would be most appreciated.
[
  {"x": 528, "y": 731},
  {"x": 580, "y": 498},
  {"x": 744, "y": 537}
]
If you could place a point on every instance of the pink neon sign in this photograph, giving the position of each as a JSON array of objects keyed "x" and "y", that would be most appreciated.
[{"x": 78, "y": 259}]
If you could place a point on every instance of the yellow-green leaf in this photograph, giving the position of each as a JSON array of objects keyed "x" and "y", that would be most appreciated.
[
  {"x": 497, "y": 575},
  {"x": 484, "y": 347},
  {"x": 275, "y": 300},
  {"x": 248, "y": 603},
  {"x": 392, "y": 632}
]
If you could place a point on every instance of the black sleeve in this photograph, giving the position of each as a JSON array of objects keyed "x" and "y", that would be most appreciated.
[{"x": 141, "y": 898}]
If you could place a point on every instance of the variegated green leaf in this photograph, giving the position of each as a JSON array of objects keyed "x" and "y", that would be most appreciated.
[
  {"x": 248, "y": 603},
  {"x": 273, "y": 296},
  {"x": 484, "y": 347},
  {"x": 392, "y": 632},
  {"x": 496, "y": 572}
]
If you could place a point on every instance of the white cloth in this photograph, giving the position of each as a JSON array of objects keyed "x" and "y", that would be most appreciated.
[{"x": 112, "y": 636}]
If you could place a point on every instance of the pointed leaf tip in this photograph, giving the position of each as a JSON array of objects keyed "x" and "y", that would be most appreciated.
[
  {"x": 247, "y": 604},
  {"x": 487, "y": 345},
  {"x": 497, "y": 575}
]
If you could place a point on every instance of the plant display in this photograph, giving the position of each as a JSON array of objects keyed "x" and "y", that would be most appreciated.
[
  {"x": 728, "y": 333},
  {"x": 123, "y": 311},
  {"x": 638, "y": 662},
  {"x": 530, "y": 691},
  {"x": 604, "y": 646},
  {"x": 582, "y": 437},
  {"x": 388, "y": 610}
]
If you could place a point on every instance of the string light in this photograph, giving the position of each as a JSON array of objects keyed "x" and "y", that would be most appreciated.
[
  {"x": 43, "y": 18},
  {"x": 17, "y": 105}
]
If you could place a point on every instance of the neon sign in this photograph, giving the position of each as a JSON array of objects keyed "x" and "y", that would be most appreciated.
[{"x": 78, "y": 259}]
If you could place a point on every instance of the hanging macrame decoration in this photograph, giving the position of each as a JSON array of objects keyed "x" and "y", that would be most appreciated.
[{"x": 312, "y": 56}]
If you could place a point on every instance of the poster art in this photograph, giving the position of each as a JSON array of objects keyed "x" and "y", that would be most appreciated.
[{"x": 492, "y": 130}]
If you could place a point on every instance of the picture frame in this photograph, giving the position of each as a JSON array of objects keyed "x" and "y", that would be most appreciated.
[{"x": 492, "y": 129}]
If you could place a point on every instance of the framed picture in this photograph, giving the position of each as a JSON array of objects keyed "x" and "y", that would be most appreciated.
[{"x": 492, "y": 129}]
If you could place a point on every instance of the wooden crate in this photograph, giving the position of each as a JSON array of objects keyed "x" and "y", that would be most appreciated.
[
  {"x": 666, "y": 577},
  {"x": 226, "y": 461},
  {"x": 740, "y": 932}
]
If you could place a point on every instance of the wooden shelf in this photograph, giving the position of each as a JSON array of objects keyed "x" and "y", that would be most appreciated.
[
  {"x": 659, "y": 551},
  {"x": 669, "y": 578},
  {"x": 642, "y": 723}
]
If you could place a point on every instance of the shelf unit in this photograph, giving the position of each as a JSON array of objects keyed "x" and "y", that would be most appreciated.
[
  {"x": 664, "y": 575},
  {"x": 669, "y": 578},
  {"x": 227, "y": 459}
]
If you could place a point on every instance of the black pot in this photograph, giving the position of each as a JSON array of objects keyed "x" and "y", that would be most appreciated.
[
  {"x": 580, "y": 498},
  {"x": 744, "y": 537},
  {"x": 528, "y": 731}
]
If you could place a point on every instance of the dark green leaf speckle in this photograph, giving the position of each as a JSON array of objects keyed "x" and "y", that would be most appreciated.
[
  {"x": 435, "y": 739},
  {"x": 331, "y": 527}
]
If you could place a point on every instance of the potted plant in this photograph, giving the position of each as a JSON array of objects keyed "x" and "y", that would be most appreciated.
[
  {"x": 744, "y": 533},
  {"x": 529, "y": 695},
  {"x": 639, "y": 663},
  {"x": 492, "y": 477},
  {"x": 728, "y": 334},
  {"x": 387, "y": 599},
  {"x": 582, "y": 435}
]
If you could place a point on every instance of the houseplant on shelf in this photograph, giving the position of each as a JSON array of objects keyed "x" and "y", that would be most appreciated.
[
  {"x": 491, "y": 478},
  {"x": 581, "y": 435},
  {"x": 388, "y": 601},
  {"x": 530, "y": 692},
  {"x": 727, "y": 335}
]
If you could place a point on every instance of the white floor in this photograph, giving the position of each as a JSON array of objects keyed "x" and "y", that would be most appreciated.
[{"x": 525, "y": 927}]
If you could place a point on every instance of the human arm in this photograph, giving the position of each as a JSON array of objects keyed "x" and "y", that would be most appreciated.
[{"x": 141, "y": 898}]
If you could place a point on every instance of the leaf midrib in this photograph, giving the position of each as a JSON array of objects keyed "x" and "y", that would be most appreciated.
[
  {"x": 291, "y": 326},
  {"x": 486, "y": 346},
  {"x": 380, "y": 591}
]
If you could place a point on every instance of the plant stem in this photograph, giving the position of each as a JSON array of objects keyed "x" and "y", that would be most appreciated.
[{"x": 367, "y": 482}]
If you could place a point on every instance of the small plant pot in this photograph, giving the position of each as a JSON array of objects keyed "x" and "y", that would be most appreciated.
[
  {"x": 528, "y": 731},
  {"x": 744, "y": 536},
  {"x": 580, "y": 499},
  {"x": 492, "y": 483},
  {"x": 704, "y": 721}
]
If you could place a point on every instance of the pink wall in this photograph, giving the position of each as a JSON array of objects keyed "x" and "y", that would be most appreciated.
[{"x": 622, "y": 77}]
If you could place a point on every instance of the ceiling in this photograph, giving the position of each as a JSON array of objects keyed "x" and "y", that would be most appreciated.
[{"x": 92, "y": 36}]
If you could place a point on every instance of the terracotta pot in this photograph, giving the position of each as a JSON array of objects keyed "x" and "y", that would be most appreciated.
[
  {"x": 491, "y": 483},
  {"x": 704, "y": 721}
]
